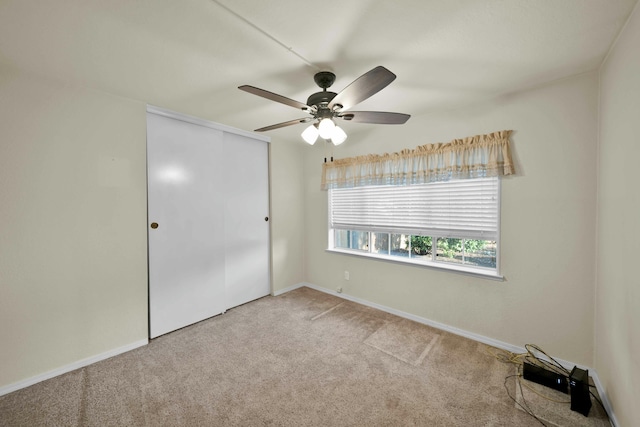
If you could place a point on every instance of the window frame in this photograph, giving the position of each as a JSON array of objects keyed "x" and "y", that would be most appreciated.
[{"x": 433, "y": 263}]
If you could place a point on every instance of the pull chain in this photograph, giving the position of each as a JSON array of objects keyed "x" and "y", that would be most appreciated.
[
  {"x": 326, "y": 142},
  {"x": 325, "y": 151}
]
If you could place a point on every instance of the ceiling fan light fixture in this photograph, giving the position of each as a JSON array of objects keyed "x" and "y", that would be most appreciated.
[
  {"x": 338, "y": 136},
  {"x": 310, "y": 134},
  {"x": 326, "y": 128}
]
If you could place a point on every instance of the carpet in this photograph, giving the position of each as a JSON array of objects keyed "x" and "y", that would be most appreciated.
[{"x": 304, "y": 358}]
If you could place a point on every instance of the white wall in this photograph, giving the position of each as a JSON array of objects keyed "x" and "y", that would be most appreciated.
[
  {"x": 548, "y": 224},
  {"x": 73, "y": 225},
  {"x": 618, "y": 284}
]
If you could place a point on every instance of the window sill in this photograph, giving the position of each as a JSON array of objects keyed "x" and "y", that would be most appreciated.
[{"x": 469, "y": 271}]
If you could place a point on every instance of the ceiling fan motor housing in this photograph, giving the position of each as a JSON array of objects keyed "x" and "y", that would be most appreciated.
[
  {"x": 320, "y": 98},
  {"x": 324, "y": 79}
]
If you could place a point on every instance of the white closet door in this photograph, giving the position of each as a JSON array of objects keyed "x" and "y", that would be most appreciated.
[
  {"x": 246, "y": 225},
  {"x": 187, "y": 249}
]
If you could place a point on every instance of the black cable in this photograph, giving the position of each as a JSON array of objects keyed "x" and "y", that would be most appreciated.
[
  {"x": 535, "y": 360},
  {"x": 525, "y": 402},
  {"x": 598, "y": 400},
  {"x": 555, "y": 362},
  {"x": 524, "y": 408},
  {"x": 551, "y": 364}
]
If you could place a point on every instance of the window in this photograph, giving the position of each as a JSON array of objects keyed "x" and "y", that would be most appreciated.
[{"x": 452, "y": 225}]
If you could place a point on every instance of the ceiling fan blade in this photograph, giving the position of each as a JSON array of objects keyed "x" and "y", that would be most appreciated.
[
  {"x": 283, "y": 124},
  {"x": 274, "y": 97},
  {"x": 379, "y": 117},
  {"x": 363, "y": 87}
]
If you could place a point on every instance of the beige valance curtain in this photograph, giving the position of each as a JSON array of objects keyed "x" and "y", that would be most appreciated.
[{"x": 473, "y": 157}]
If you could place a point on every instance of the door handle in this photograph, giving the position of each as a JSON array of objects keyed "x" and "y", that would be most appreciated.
[{"x": 154, "y": 225}]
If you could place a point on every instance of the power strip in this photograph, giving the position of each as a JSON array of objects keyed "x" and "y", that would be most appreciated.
[{"x": 545, "y": 377}]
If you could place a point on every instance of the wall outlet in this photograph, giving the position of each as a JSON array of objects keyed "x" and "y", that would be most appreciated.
[{"x": 346, "y": 275}]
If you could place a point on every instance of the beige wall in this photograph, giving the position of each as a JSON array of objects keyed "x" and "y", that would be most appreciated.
[
  {"x": 548, "y": 224},
  {"x": 73, "y": 235},
  {"x": 73, "y": 207},
  {"x": 617, "y": 353},
  {"x": 287, "y": 214}
]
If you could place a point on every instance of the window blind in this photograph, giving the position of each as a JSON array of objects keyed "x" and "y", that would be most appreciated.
[{"x": 467, "y": 208}]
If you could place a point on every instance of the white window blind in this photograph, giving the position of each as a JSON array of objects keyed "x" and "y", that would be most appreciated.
[{"x": 465, "y": 208}]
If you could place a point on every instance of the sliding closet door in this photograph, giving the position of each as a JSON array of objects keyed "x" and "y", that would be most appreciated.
[
  {"x": 186, "y": 223},
  {"x": 246, "y": 219}
]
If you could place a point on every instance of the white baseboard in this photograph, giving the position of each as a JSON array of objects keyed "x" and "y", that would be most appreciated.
[
  {"x": 461, "y": 332},
  {"x": 604, "y": 398},
  {"x": 71, "y": 367}
]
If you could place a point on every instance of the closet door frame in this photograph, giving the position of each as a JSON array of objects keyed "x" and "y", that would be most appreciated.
[{"x": 226, "y": 132}]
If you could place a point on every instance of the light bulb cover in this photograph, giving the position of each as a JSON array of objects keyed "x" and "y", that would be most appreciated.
[
  {"x": 326, "y": 128},
  {"x": 310, "y": 135},
  {"x": 338, "y": 136}
]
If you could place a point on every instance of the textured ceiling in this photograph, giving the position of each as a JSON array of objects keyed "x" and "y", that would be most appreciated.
[{"x": 191, "y": 55}]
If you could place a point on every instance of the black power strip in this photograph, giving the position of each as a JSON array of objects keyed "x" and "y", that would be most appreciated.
[{"x": 545, "y": 377}]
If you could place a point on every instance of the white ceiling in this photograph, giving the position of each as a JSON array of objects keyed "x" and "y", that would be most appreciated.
[{"x": 191, "y": 55}]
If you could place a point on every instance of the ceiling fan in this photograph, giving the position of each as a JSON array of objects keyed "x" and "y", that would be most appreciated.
[{"x": 325, "y": 106}]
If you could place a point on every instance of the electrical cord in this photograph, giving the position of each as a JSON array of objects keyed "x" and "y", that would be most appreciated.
[
  {"x": 598, "y": 400},
  {"x": 552, "y": 363},
  {"x": 531, "y": 356},
  {"x": 516, "y": 359},
  {"x": 524, "y": 405},
  {"x": 564, "y": 372}
]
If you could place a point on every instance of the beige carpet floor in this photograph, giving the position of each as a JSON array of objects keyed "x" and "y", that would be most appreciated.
[{"x": 304, "y": 358}]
